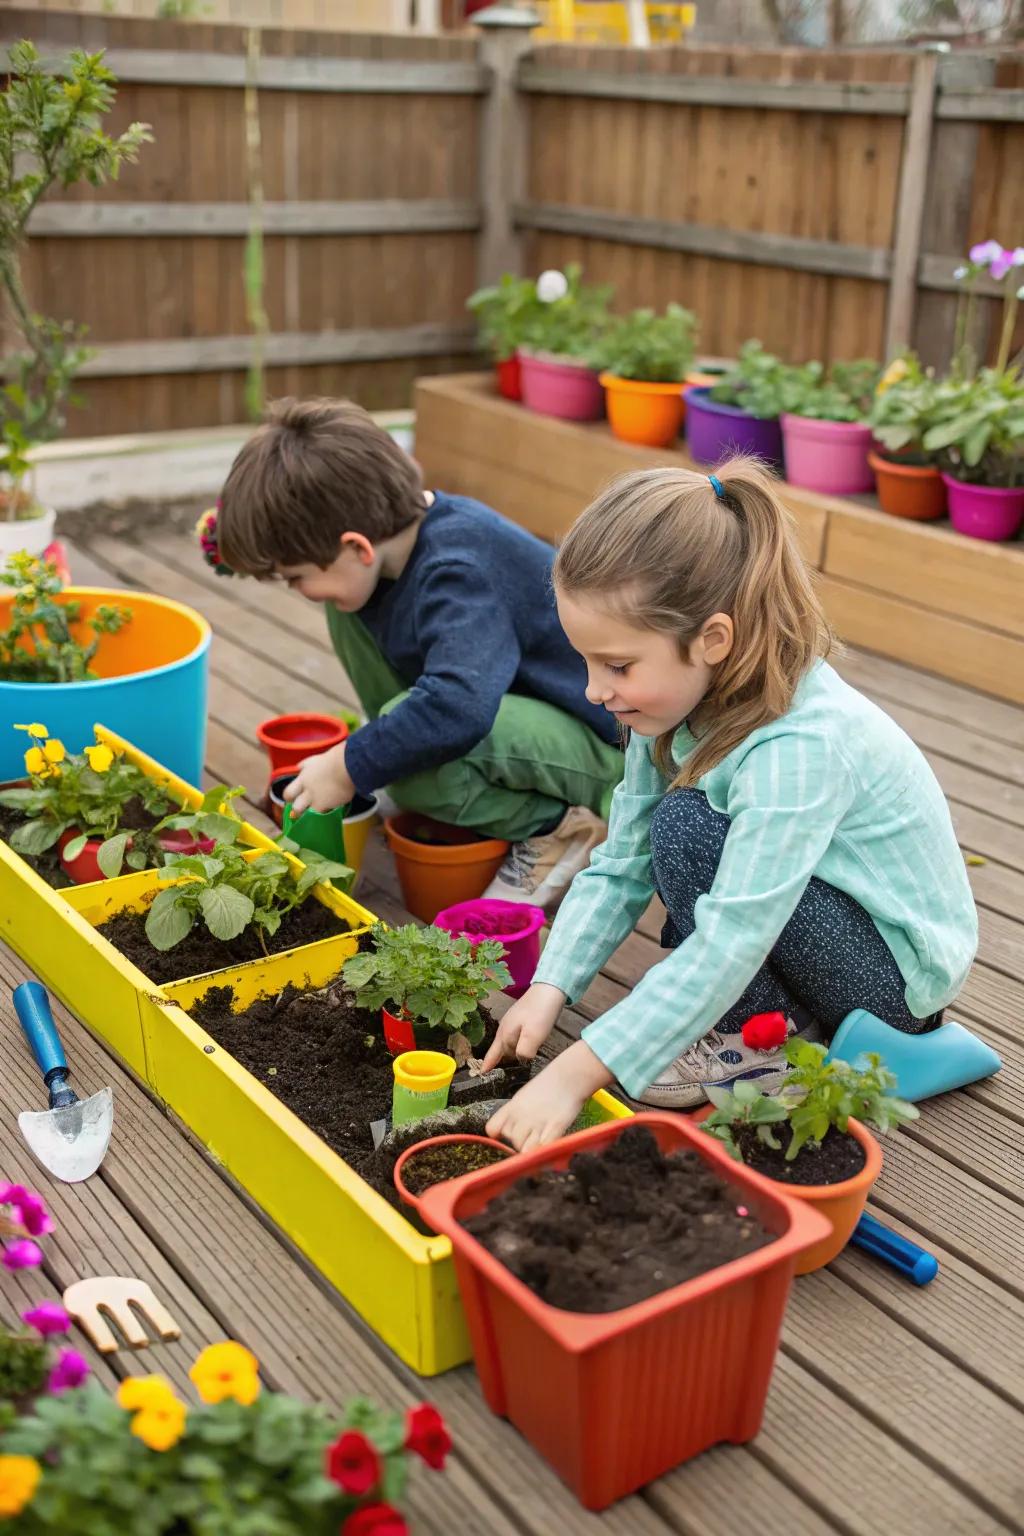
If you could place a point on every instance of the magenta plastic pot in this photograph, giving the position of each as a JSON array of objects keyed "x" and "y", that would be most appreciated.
[
  {"x": 715, "y": 432},
  {"x": 554, "y": 386},
  {"x": 512, "y": 923},
  {"x": 992, "y": 512},
  {"x": 828, "y": 456}
]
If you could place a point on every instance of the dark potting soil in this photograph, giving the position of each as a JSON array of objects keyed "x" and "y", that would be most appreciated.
[
  {"x": 838, "y": 1157},
  {"x": 134, "y": 818},
  {"x": 439, "y": 1163},
  {"x": 616, "y": 1226},
  {"x": 200, "y": 951}
]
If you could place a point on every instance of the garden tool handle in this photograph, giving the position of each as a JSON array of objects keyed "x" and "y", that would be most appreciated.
[
  {"x": 895, "y": 1250},
  {"x": 32, "y": 1005}
]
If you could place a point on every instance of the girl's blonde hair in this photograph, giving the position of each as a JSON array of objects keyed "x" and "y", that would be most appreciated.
[{"x": 666, "y": 551}]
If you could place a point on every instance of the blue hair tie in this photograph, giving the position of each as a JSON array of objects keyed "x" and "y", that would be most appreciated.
[{"x": 716, "y": 486}]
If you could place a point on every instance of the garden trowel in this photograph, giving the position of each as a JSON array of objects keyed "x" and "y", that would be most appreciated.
[{"x": 71, "y": 1137}]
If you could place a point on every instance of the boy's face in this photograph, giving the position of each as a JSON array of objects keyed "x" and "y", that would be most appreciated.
[{"x": 348, "y": 582}]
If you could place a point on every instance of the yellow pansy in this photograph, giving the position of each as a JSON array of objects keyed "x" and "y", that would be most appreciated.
[
  {"x": 54, "y": 751},
  {"x": 35, "y": 762},
  {"x": 159, "y": 1417},
  {"x": 144, "y": 1392},
  {"x": 37, "y": 730},
  {"x": 100, "y": 758},
  {"x": 896, "y": 371},
  {"x": 225, "y": 1371},
  {"x": 19, "y": 1479}
]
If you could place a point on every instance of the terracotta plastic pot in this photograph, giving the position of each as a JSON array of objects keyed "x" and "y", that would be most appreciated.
[
  {"x": 992, "y": 512},
  {"x": 614, "y": 1400},
  {"x": 508, "y": 377},
  {"x": 456, "y": 867},
  {"x": 287, "y": 739},
  {"x": 515, "y": 924},
  {"x": 85, "y": 869},
  {"x": 715, "y": 432},
  {"x": 908, "y": 490},
  {"x": 640, "y": 412},
  {"x": 415, "y": 1201},
  {"x": 827, "y": 456},
  {"x": 557, "y": 386}
]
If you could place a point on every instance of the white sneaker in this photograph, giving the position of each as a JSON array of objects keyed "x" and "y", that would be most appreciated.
[
  {"x": 540, "y": 870},
  {"x": 721, "y": 1060}
]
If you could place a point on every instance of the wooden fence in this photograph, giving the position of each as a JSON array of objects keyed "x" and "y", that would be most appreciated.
[{"x": 818, "y": 201}]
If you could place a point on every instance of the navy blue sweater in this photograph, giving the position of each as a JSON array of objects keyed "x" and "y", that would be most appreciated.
[{"x": 471, "y": 618}]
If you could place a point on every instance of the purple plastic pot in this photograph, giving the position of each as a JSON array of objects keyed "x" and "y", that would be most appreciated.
[
  {"x": 828, "y": 456},
  {"x": 993, "y": 512},
  {"x": 512, "y": 923},
  {"x": 715, "y": 432},
  {"x": 554, "y": 386}
]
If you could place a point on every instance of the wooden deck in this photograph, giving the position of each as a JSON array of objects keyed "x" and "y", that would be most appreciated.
[{"x": 892, "y": 1408}]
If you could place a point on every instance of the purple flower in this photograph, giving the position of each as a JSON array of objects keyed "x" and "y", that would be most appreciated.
[
  {"x": 34, "y": 1216},
  {"x": 1017, "y": 257},
  {"x": 985, "y": 253},
  {"x": 47, "y": 1318},
  {"x": 12, "y": 1194},
  {"x": 1001, "y": 264},
  {"x": 22, "y": 1254},
  {"x": 70, "y": 1371}
]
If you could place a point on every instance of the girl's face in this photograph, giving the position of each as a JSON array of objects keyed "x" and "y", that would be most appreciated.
[{"x": 638, "y": 674}]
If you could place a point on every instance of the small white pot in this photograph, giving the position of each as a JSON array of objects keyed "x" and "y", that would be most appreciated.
[{"x": 32, "y": 534}]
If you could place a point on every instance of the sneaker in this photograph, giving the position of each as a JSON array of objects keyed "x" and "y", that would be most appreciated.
[
  {"x": 718, "y": 1061},
  {"x": 541, "y": 869}
]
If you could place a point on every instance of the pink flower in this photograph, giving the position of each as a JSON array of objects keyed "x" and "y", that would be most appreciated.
[
  {"x": 1001, "y": 264},
  {"x": 22, "y": 1254},
  {"x": 34, "y": 1216},
  {"x": 46, "y": 1318},
  {"x": 986, "y": 252},
  {"x": 70, "y": 1371},
  {"x": 12, "y": 1194}
]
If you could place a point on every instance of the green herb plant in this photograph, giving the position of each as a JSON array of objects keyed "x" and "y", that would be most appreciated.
[
  {"x": 427, "y": 974},
  {"x": 503, "y": 312},
  {"x": 56, "y": 655},
  {"x": 977, "y": 427},
  {"x": 757, "y": 383},
  {"x": 572, "y": 326},
  {"x": 653, "y": 348},
  {"x": 903, "y": 410},
  {"x": 843, "y": 392}
]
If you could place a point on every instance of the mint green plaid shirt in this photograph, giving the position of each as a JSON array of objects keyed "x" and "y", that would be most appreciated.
[{"x": 835, "y": 789}]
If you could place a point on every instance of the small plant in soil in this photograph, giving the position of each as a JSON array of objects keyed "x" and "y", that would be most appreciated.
[
  {"x": 436, "y": 1164},
  {"x": 212, "y": 821},
  {"x": 53, "y": 653},
  {"x": 429, "y": 976}
]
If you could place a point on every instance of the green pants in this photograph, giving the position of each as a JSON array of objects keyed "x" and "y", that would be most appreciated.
[{"x": 534, "y": 762}]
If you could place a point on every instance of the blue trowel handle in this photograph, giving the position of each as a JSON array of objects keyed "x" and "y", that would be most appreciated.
[
  {"x": 32, "y": 1006},
  {"x": 895, "y": 1251}
]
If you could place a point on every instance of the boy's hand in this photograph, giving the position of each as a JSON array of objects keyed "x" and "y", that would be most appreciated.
[
  {"x": 526, "y": 1026},
  {"x": 550, "y": 1102},
  {"x": 321, "y": 783}
]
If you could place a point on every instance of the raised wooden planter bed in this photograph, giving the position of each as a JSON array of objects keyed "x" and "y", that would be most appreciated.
[{"x": 916, "y": 592}]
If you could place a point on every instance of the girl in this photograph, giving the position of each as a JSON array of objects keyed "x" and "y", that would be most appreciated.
[{"x": 797, "y": 837}]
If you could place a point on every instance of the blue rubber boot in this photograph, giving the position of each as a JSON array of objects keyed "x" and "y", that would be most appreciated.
[{"x": 924, "y": 1065}]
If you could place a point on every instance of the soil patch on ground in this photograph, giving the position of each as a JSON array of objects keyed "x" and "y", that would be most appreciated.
[{"x": 838, "y": 1157}]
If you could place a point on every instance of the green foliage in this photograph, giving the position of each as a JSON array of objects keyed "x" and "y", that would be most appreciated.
[
  {"x": 756, "y": 384},
  {"x": 36, "y": 615},
  {"x": 816, "y": 1094},
  {"x": 214, "y": 819},
  {"x": 977, "y": 427},
  {"x": 657, "y": 349},
  {"x": 50, "y": 136},
  {"x": 573, "y": 325},
  {"x": 77, "y": 796},
  {"x": 503, "y": 312},
  {"x": 903, "y": 408},
  {"x": 844, "y": 392},
  {"x": 437, "y": 979},
  {"x": 23, "y": 1364},
  {"x": 227, "y": 890}
]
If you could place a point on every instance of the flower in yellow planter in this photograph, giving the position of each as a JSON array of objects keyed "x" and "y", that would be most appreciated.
[
  {"x": 19, "y": 1479},
  {"x": 35, "y": 762},
  {"x": 225, "y": 1371},
  {"x": 37, "y": 730},
  {"x": 54, "y": 751},
  {"x": 100, "y": 758},
  {"x": 159, "y": 1417}
]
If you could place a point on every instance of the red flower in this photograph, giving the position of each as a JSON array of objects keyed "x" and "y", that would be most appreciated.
[
  {"x": 426, "y": 1433},
  {"x": 353, "y": 1463},
  {"x": 765, "y": 1031},
  {"x": 375, "y": 1520}
]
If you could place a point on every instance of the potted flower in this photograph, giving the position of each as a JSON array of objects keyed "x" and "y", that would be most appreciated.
[
  {"x": 427, "y": 984},
  {"x": 739, "y": 414},
  {"x": 907, "y": 475},
  {"x": 826, "y": 438},
  {"x": 39, "y": 644},
  {"x": 560, "y": 347},
  {"x": 645, "y": 358},
  {"x": 812, "y": 1136},
  {"x": 503, "y": 312},
  {"x": 27, "y": 1368}
]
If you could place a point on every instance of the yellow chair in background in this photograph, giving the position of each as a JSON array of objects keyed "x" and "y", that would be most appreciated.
[{"x": 613, "y": 21}]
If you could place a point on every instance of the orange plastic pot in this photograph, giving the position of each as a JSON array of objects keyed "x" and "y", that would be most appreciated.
[
  {"x": 615, "y": 1400},
  {"x": 909, "y": 490},
  {"x": 456, "y": 866},
  {"x": 640, "y": 412},
  {"x": 416, "y": 1201}
]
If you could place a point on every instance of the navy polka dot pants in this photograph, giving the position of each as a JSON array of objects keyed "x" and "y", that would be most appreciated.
[{"x": 829, "y": 959}]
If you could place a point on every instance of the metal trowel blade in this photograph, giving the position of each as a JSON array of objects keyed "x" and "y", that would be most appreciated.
[{"x": 70, "y": 1143}]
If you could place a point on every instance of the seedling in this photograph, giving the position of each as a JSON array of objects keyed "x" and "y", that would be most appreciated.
[{"x": 435, "y": 979}]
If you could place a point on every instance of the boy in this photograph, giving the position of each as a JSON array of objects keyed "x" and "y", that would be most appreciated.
[{"x": 442, "y": 614}]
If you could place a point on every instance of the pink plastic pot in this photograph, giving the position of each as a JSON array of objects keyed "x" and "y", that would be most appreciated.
[
  {"x": 992, "y": 512},
  {"x": 512, "y": 923},
  {"x": 85, "y": 869},
  {"x": 557, "y": 386},
  {"x": 828, "y": 456}
]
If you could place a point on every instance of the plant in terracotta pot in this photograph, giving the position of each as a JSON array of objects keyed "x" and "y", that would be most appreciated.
[
  {"x": 560, "y": 348},
  {"x": 825, "y": 433},
  {"x": 645, "y": 357},
  {"x": 54, "y": 654},
  {"x": 739, "y": 414},
  {"x": 812, "y": 1135},
  {"x": 428, "y": 985},
  {"x": 907, "y": 475},
  {"x": 503, "y": 312}
]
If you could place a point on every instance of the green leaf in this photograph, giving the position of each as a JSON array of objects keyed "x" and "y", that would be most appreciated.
[
  {"x": 223, "y": 829},
  {"x": 169, "y": 920},
  {"x": 36, "y": 836},
  {"x": 226, "y": 911},
  {"x": 111, "y": 854},
  {"x": 73, "y": 848}
]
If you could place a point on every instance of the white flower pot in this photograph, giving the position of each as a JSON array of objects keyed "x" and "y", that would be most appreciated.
[{"x": 32, "y": 534}]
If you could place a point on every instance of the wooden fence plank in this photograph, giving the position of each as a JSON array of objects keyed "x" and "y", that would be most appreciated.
[{"x": 322, "y": 217}]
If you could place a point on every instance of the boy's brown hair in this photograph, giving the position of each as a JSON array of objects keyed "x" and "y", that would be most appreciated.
[{"x": 314, "y": 470}]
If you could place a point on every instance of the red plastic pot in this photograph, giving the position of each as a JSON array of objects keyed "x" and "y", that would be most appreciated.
[
  {"x": 415, "y": 1201},
  {"x": 85, "y": 869},
  {"x": 991, "y": 512},
  {"x": 399, "y": 1034},
  {"x": 508, "y": 377},
  {"x": 287, "y": 739},
  {"x": 615, "y": 1400}
]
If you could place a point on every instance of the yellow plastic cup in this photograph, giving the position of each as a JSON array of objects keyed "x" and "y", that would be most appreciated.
[{"x": 422, "y": 1080}]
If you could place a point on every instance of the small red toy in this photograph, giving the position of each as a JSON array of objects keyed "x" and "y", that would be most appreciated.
[{"x": 765, "y": 1031}]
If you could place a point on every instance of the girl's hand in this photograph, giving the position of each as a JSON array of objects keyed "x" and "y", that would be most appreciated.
[
  {"x": 321, "y": 783},
  {"x": 550, "y": 1102},
  {"x": 526, "y": 1026}
]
